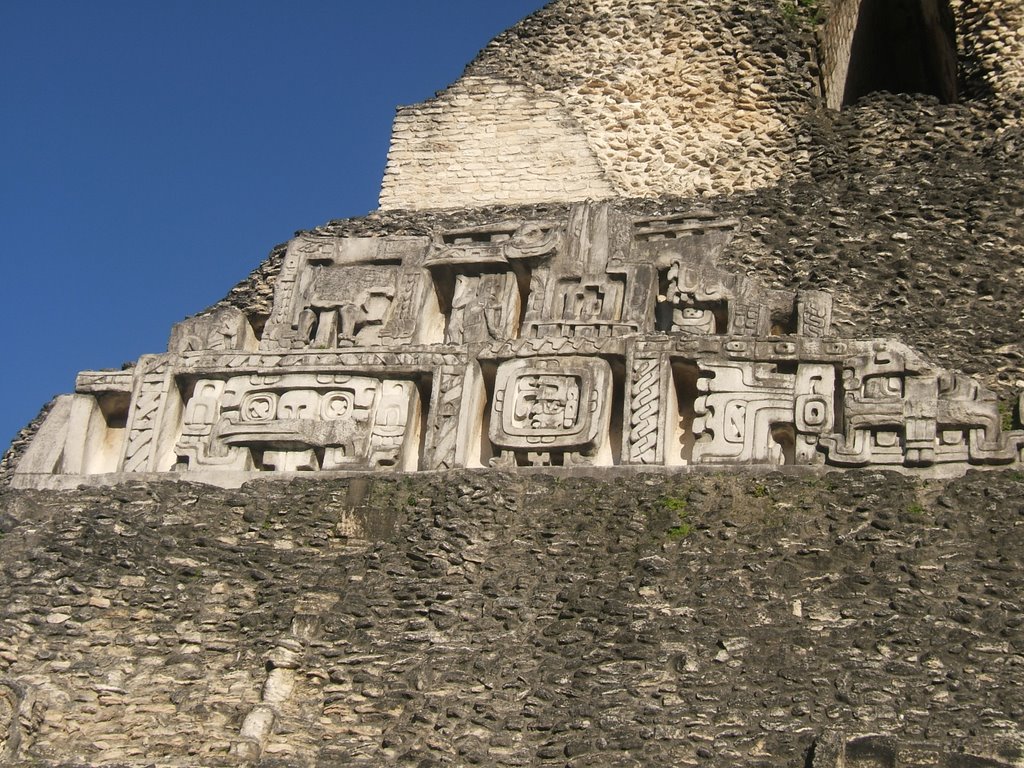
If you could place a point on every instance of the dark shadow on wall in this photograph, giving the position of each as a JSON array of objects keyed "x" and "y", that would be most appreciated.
[{"x": 903, "y": 46}]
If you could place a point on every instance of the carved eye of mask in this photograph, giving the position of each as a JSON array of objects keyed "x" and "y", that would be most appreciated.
[
  {"x": 259, "y": 407},
  {"x": 337, "y": 405}
]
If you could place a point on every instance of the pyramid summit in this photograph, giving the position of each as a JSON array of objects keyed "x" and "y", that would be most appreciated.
[{"x": 637, "y": 426}]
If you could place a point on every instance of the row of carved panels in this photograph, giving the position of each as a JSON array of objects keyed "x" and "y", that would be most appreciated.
[
  {"x": 659, "y": 409},
  {"x": 473, "y": 308},
  {"x": 595, "y": 273}
]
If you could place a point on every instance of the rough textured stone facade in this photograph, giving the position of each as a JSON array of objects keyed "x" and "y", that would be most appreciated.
[
  {"x": 503, "y": 619},
  {"x": 680, "y": 98},
  {"x": 486, "y": 139},
  {"x": 492, "y": 617},
  {"x": 991, "y": 40}
]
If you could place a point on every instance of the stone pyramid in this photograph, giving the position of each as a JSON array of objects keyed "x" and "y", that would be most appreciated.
[
  {"x": 428, "y": 487},
  {"x": 599, "y": 330}
]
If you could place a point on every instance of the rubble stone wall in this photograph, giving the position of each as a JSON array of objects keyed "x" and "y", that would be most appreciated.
[
  {"x": 508, "y": 619},
  {"x": 677, "y": 98},
  {"x": 990, "y": 35}
]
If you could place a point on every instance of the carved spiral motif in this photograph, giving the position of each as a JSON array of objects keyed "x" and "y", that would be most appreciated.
[
  {"x": 643, "y": 421},
  {"x": 259, "y": 406},
  {"x": 446, "y": 425}
]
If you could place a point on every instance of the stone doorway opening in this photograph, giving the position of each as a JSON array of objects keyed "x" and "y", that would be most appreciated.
[{"x": 903, "y": 46}]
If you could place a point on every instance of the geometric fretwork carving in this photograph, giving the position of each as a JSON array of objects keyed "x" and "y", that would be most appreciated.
[
  {"x": 751, "y": 413},
  {"x": 900, "y": 417},
  {"x": 588, "y": 337}
]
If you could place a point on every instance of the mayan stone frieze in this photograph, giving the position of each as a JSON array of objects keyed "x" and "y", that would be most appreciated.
[
  {"x": 836, "y": 750},
  {"x": 594, "y": 340}
]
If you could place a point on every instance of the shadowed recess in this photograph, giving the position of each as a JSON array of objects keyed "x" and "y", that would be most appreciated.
[{"x": 903, "y": 46}]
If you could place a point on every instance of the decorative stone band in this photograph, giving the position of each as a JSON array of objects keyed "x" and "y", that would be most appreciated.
[
  {"x": 655, "y": 401},
  {"x": 593, "y": 339},
  {"x": 838, "y": 750}
]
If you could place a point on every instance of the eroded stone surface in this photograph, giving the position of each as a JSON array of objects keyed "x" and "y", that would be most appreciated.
[
  {"x": 664, "y": 97},
  {"x": 495, "y": 618},
  {"x": 588, "y": 338}
]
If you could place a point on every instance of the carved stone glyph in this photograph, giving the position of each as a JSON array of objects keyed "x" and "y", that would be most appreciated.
[
  {"x": 588, "y": 339},
  {"x": 752, "y": 413},
  {"x": 299, "y": 422},
  {"x": 551, "y": 410}
]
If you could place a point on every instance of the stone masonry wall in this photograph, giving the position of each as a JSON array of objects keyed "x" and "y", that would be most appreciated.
[
  {"x": 990, "y": 35},
  {"x": 835, "y": 37},
  {"x": 673, "y": 97},
  {"x": 494, "y": 619},
  {"x": 694, "y": 98},
  {"x": 487, "y": 139},
  {"x": 990, "y": 41}
]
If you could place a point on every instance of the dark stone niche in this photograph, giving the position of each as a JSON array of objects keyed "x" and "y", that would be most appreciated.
[{"x": 903, "y": 46}]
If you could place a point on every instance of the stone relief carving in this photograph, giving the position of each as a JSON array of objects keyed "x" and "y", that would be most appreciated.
[
  {"x": 298, "y": 422},
  {"x": 149, "y": 400},
  {"x": 484, "y": 307},
  {"x": 345, "y": 305},
  {"x": 551, "y": 410},
  {"x": 838, "y": 750},
  {"x": 590, "y": 339},
  {"x": 590, "y": 290},
  {"x": 477, "y": 275},
  {"x": 225, "y": 329},
  {"x": 354, "y": 292},
  {"x": 752, "y": 413},
  {"x": 444, "y": 423},
  {"x": 645, "y": 430}
]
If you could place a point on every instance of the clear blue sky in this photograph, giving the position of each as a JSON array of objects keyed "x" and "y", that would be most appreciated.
[{"x": 151, "y": 154}]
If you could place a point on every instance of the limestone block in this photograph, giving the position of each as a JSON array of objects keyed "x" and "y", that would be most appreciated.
[
  {"x": 45, "y": 453},
  {"x": 79, "y": 436}
]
